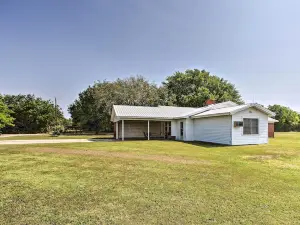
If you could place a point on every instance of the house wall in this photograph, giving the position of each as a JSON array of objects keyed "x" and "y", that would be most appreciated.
[
  {"x": 213, "y": 129},
  {"x": 174, "y": 129},
  {"x": 178, "y": 135},
  {"x": 189, "y": 129},
  {"x": 238, "y": 138},
  {"x": 135, "y": 128}
]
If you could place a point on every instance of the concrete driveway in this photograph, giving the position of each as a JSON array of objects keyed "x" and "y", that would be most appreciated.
[
  {"x": 46, "y": 141},
  {"x": 17, "y": 135}
]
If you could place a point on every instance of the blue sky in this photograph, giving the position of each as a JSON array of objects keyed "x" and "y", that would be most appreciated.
[{"x": 59, "y": 47}]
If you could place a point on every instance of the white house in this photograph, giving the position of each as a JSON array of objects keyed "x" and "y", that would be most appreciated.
[{"x": 223, "y": 123}]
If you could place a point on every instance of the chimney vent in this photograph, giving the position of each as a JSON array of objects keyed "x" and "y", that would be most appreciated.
[{"x": 210, "y": 102}]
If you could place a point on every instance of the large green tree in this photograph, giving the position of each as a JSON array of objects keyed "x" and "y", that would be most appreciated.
[
  {"x": 32, "y": 114},
  {"x": 84, "y": 111},
  {"x": 289, "y": 120},
  {"x": 5, "y": 115},
  {"x": 93, "y": 107},
  {"x": 193, "y": 87}
]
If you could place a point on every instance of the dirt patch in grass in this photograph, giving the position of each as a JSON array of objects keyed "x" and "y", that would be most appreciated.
[
  {"x": 160, "y": 158},
  {"x": 261, "y": 157}
]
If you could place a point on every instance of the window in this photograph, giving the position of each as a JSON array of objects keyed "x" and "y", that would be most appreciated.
[
  {"x": 181, "y": 128},
  {"x": 250, "y": 126}
]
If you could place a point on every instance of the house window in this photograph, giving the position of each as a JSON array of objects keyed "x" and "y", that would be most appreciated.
[
  {"x": 181, "y": 128},
  {"x": 250, "y": 126}
]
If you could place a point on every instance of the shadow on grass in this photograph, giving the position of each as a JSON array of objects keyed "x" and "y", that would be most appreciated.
[
  {"x": 195, "y": 143},
  {"x": 102, "y": 139},
  {"x": 204, "y": 144}
]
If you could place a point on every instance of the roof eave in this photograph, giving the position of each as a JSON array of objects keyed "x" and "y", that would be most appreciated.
[
  {"x": 258, "y": 107},
  {"x": 194, "y": 113},
  {"x": 143, "y": 118},
  {"x": 212, "y": 115}
]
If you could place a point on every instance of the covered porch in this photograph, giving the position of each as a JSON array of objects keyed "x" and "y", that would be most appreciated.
[{"x": 142, "y": 129}]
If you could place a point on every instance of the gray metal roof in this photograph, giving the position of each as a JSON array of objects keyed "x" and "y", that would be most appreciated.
[
  {"x": 167, "y": 112},
  {"x": 173, "y": 112},
  {"x": 212, "y": 107},
  {"x": 232, "y": 110}
]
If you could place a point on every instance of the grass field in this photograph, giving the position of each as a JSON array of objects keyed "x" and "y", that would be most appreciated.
[
  {"x": 48, "y": 136},
  {"x": 151, "y": 182}
]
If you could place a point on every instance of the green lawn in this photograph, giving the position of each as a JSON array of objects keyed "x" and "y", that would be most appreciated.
[
  {"x": 151, "y": 182},
  {"x": 48, "y": 136}
]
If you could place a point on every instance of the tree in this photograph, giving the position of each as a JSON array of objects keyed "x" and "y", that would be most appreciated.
[
  {"x": 193, "y": 87},
  {"x": 5, "y": 115},
  {"x": 84, "y": 112},
  {"x": 93, "y": 107},
  {"x": 32, "y": 114},
  {"x": 289, "y": 120}
]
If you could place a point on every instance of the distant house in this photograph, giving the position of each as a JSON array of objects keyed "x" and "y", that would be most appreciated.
[{"x": 223, "y": 123}]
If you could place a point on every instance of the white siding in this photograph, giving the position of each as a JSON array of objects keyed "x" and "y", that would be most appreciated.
[
  {"x": 178, "y": 136},
  {"x": 238, "y": 138},
  {"x": 174, "y": 129},
  {"x": 189, "y": 129},
  {"x": 182, "y": 138},
  {"x": 213, "y": 129}
]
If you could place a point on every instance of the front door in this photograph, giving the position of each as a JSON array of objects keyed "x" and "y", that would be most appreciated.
[
  {"x": 181, "y": 130},
  {"x": 167, "y": 129}
]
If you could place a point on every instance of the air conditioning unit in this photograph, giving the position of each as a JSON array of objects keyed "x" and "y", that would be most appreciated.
[{"x": 238, "y": 123}]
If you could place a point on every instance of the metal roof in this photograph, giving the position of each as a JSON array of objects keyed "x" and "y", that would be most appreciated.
[
  {"x": 271, "y": 120},
  {"x": 173, "y": 112},
  {"x": 211, "y": 107},
  {"x": 233, "y": 110},
  {"x": 167, "y": 112}
]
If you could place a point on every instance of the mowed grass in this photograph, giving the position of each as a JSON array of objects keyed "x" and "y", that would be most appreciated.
[
  {"x": 48, "y": 136},
  {"x": 212, "y": 185}
]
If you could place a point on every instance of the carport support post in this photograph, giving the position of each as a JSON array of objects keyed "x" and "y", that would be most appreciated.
[
  {"x": 117, "y": 130},
  {"x": 148, "y": 130},
  {"x": 122, "y": 130}
]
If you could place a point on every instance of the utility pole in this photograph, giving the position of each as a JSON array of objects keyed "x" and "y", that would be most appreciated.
[{"x": 55, "y": 114}]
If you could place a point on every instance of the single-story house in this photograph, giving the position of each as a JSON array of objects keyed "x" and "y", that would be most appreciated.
[{"x": 223, "y": 123}]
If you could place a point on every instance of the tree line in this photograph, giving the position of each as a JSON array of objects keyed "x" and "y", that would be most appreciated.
[
  {"x": 91, "y": 110},
  {"x": 29, "y": 114},
  {"x": 289, "y": 120}
]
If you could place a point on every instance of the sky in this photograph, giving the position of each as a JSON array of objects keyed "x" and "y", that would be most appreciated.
[{"x": 58, "y": 48}]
